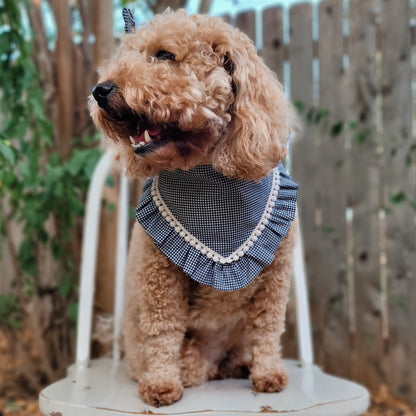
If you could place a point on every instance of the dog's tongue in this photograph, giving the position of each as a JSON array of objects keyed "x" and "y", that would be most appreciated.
[{"x": 153, "y": 131}]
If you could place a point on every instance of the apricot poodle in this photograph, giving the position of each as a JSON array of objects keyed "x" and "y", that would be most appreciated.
[{"x": 191, "y": 105}]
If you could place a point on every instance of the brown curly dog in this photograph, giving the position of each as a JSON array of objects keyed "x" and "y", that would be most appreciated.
[{"x": 182, "y": 93}]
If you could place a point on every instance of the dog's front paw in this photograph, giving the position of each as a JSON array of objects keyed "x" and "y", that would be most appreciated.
[
  {"x": 270, "y": 382},
  {"x": 160, "y": 393}
]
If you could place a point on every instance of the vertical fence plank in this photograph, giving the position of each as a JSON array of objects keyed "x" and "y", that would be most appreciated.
[
  {"x": 273, "y": 47},
  {"x": 64, "y": 67},
  {"x": 246, "y": 22},
  {"x": 399, "y": 194},
  {"x": 226, "y": 18},
  {"x": 302, "y": 149},
  {"x": 301, "y": 81},
  {"x": 331, "y": 283},
  {"x": 273, "y": 55},
  {"x": 364, "y": 187}
]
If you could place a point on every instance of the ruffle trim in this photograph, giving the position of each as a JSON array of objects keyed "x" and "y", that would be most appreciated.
[{"x": 205, "y": 269}]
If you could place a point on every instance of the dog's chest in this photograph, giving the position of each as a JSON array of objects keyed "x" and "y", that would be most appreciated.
[{"x": 211, "y": 309}]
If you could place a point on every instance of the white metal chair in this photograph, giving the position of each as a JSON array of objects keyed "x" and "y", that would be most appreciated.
[{"x": 102, "y": 387}]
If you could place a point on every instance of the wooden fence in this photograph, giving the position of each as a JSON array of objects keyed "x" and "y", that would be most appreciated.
[
  {"x": 351, "y": 74},
  {"x": 351, "y": 77}
]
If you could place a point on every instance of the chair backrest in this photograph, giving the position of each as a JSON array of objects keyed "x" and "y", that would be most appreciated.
[{"x": 88, "y": 268}]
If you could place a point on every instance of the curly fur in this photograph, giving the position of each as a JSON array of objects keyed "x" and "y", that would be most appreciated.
[{"x": 227, "y": 109}]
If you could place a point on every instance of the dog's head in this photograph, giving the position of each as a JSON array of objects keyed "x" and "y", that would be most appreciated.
[{"x": 184, "y": 91}]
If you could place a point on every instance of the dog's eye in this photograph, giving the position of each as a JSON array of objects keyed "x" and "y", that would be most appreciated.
[{"x": 165, "y": 56}]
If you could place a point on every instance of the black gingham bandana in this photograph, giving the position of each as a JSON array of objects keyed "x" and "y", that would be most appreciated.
[{"x": 222, "y": 232}]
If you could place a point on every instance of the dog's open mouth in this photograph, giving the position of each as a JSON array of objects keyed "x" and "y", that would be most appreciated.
[
  {"x": 150, "y": 137},
  {"x": 145, "y": 133},
  {"x": 146, "y": 136}
]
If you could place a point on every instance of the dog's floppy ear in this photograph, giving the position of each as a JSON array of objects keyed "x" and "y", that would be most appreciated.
[{"x": 257, "y": 135}]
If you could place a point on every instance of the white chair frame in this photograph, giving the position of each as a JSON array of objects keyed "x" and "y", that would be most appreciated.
[{"x": 101, "y": 387}]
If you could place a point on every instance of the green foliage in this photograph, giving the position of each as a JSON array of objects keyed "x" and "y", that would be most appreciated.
[
  {"x": 10, "y": 313},
  {"x": 40, "y": 184},
  {"x": 337, "y": 128},
  {"x": 73, "y": 312},
  {"x": 321, "y": 117},
  {"x": 132, "y": 213},
  {"x": 110, "y": 181},
  {"x": 111, "y": 207},
  {"x": 57, "y": 192},
  {"x": 312, "y": 115},
  {"x": 359, "y": 134},
  {"x": 67, "y": 285},
  {"x": 327, "y": 229},
  {"x": 411, "y": 154},
  {"x": 398, "y": 197}
]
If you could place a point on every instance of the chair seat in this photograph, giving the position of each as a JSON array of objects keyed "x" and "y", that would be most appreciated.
[{"x": 104, "y": 388}]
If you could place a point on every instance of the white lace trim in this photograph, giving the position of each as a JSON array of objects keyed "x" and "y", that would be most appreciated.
[{"x": 201, "y": 247}]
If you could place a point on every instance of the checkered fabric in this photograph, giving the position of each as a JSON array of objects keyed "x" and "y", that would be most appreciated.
[{"x": 221, "y": 231}]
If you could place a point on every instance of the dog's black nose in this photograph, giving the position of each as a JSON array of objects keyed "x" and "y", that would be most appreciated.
[{"x": 101, "y": 91}]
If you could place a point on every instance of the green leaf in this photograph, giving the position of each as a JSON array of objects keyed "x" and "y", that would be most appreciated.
[
  {"x": 398, "y": 197},
  {"x": 111, "y": 207},
  {"x": 352, "y": 125},
  {"x": 36, "y": 107},
  {"x": 56, "y": 248},
  {"x": 92, "y": 160},
  {"x": 337, "y": 128},
  {"x": 10, "y": 313},
  {"x": 327, "y": 229},
  {"x": 53, "y": 175},
  {"x": 46, "y": 130},
  {"x": 23, "y": 168},
  {"x": 110, "y": 181},
  {"x": 7, "y": 152},
  {"x": 299, "y": 106},
  {"x": 58, "y": 190},
  {"x": 16, "y": 127},
  {"x": 27, "y": 258},
  {"x": 320, "y": 115},
  {"x": 73, "y": 312},
  {"x": 67, "y": 285},
  {"x": 9, "y": 179},
  {"x": 361, "y": 136},
  {"x": 393, "y": 151},
  {"x": 132, "y": 213},
  {"x": 335, "y": 299},
  {"x": 310, "y": 115}
]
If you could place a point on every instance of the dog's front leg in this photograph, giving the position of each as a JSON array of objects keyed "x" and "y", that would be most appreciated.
[
  {"x": 155, "y": 317},
  {"x": 266, "y": 317}
]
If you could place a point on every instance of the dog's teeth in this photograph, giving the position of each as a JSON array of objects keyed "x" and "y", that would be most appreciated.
[
  {"x": 142, "y": 143},
  {"x": 133, "y": 143},
  {"x": 147, "y": 136}
]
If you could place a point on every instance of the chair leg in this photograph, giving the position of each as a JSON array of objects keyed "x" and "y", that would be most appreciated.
[{"x": 303, "y": 322}]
